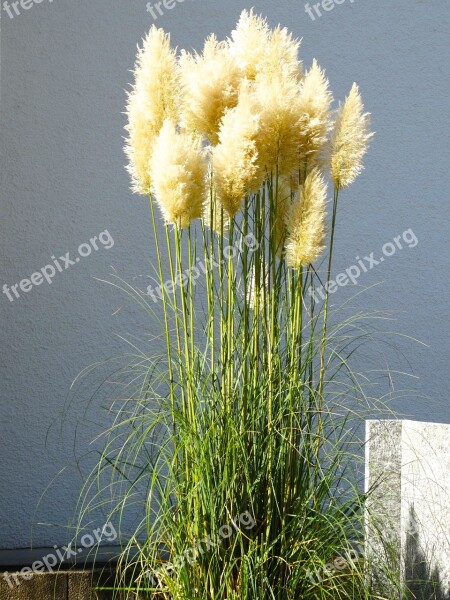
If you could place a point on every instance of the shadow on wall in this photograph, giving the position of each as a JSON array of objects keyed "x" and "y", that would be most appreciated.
[{"x": 423, "y": 582}]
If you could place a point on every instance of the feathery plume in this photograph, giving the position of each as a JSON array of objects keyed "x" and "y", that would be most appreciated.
[
  {"x": 235, "y": 158},
  {"x": 276, "y": 90},
  {"x": 178, "y": 172},
  {"x": 306, "y": 237},
  {"x": 279, "y": 112},
  {"x": 155, "y": 97},
  {"x": 315, "y": 104},
  {"x": 350, "y": 140},
  {"x": 249, "y": 43},
  {"x": 210, "y": 84},
  {"x": 280, "y": 58}
]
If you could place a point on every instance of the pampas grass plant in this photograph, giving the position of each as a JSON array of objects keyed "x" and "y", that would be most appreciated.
[{"x": 253, "y": 409}]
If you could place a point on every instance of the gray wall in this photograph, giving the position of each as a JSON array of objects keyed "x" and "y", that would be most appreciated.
[{"x": 65, "y": 66}]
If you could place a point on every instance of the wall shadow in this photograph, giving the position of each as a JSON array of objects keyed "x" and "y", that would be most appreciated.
[{"x": 423, "y": 582}]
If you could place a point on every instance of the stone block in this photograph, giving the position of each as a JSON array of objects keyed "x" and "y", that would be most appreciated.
[{"x": 408, "y": 512}]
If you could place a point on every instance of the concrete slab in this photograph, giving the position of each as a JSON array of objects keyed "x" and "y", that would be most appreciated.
[
  {"x": 42, "y": 586},
  {"x": 408, "y": 471}
]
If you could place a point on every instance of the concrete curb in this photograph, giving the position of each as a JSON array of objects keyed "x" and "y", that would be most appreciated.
[{"x": 65, "y": 585}]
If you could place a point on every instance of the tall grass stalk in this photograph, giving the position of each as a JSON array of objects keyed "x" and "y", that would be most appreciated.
[{"x": 246, "y": 414}]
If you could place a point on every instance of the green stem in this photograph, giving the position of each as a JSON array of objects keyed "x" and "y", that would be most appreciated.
[
  {"x": 164, "y": 300},
  {"x": 327, "y": 296}
]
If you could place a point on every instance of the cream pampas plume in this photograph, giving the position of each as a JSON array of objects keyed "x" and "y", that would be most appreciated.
[
  {"x": 306, "y": 226},
  {"x": 350, "y": 140},
  {"x": 155, "y": 97},
  {"x": 278, "y": 107},
  {"x": 235, "y": 158},
  {"x": 249, "y": 43},
  {"x": 261, "y": 51},
  {"x": 178, "y": 172},
  {"x": 210, "y": 83},
  {"x": 269, "y": 60},
  {"x": 315, "y": 103},
  {"x": 280, "y": 57}
]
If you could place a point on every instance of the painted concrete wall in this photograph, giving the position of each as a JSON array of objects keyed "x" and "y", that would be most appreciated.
[{"x": 65, "y": 65}]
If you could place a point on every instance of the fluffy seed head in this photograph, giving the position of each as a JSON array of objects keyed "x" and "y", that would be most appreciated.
[
  {"x": 269, "y": 59},
  {"x": 235, "y": 158},
  {"x": 155, "y": 97},
  {"x": 210, "y": 84},
  {"x": 279, "y": 113},
  {"x": 178, "y": 172},
  {"x": 249, "y": 43},
  {"x": 315, "y": 103},
  {"x": 350, "y": 140},
  {"x": 305, "y": 242},
  {"x": 280, "y": 58}
]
